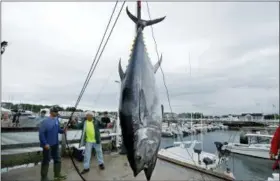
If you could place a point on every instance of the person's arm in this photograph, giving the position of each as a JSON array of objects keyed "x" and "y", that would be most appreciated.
[
  {"x": 61, "y": 131},
  {"x": 99, "y": 122},
  {"x": 78, "y": 125},
  {"x": 42, "y": 131},
  {"x": 275, "y": 142},
  {"x": 108, "y": 120}
]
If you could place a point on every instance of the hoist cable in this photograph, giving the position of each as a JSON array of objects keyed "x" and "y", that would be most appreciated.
[
  {"x": 90, "y": 70},
  {"x": 86, "y": 83}
]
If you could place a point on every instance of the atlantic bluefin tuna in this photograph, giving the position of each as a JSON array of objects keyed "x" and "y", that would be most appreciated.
[{"x": 139, "y": 108}]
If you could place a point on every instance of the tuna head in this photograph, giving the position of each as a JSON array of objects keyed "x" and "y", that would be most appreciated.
[{"x": 141, "y": 131}]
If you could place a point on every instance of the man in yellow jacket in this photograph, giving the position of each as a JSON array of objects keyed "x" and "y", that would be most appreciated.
[{"x": 91, "y": 139}]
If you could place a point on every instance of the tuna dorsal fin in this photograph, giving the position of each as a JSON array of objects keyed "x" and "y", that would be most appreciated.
[
  {"x": 121, "y": 73},
  {"x": 156, "y": 66}
]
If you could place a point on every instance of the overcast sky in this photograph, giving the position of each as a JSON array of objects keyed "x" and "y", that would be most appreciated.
[{"x": 233, "y": 49}]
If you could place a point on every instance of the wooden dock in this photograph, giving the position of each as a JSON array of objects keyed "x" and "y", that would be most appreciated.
[{"x": 117, "y": 168}]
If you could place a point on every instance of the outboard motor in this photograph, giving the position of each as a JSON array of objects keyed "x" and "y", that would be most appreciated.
[
  {"x": 198, "y": 151},
  {"x": 207, "y": 161},
  {"x": 222, "y": 152}
]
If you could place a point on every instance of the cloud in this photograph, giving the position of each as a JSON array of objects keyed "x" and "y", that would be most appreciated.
[{"x": 218, "y": 58}]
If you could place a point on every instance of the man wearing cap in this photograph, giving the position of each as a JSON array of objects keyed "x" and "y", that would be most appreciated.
[
  {"x": 48, "y": 136},
  {"x": 91, "y": 139},
  {"x": 40, "y": 118}
]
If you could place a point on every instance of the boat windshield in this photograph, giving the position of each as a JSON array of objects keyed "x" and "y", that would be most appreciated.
[{"x": 260, "y": 140}]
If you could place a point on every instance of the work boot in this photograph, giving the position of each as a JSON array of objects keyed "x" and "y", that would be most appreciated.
[
  {"x": 101, "y": 166},
  {"x": 57, "y": 174},
  {"x": 44, "y": 172}
]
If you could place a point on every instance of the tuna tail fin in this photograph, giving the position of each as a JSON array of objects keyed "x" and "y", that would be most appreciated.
[
  {"x": 157, "y": 65},
  {"x": 143, "y": 23},
  {"x": 121, "y": 72},
  {"x": 149, "y": 171}
]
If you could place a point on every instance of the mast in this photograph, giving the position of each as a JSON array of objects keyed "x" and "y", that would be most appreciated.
[{"x": 138, "y": 9}]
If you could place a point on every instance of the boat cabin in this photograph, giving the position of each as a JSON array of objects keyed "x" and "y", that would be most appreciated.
[{"x": 257, "y": 138}]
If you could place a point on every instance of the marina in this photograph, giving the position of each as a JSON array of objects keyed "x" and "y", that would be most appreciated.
[{"x": 219, "y": 131}]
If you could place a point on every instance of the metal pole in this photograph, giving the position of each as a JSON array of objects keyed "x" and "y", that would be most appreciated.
[{"x": 138, "y": 9}]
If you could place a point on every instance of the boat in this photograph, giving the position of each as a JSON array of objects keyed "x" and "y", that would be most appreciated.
[
  {"x": 166, "y": 132},
  {"x": 194, "y": 158},
  {"x": 174, "y": 129},
  {"x": 254, "y": 145},
  {"x": 186, "y": 152},
  {"x": 275, "y": 177}
]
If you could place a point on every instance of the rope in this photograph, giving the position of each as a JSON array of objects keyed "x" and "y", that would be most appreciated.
[
  {"x": 167, "y": 92},
  {"x": 88, "y": 78},
  {"x": 91, "y": 67}
]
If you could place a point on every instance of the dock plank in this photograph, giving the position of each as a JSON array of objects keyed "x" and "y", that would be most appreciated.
[{"x": 117, "y": 168}]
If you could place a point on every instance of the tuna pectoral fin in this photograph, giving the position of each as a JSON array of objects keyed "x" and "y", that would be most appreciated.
[
  {"x": 149, "y": 171},
  {"x": 157, "y": 65},
  {"x": 141, "y": 22},
  {"x": 121, "y": 73}
]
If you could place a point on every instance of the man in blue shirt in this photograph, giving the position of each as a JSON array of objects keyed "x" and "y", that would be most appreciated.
[
  {"x": 40, "y": 118},
  {"x": 48, "y": 136}
]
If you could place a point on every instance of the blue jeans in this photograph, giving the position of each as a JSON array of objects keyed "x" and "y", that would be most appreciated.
[
  {"x": 52, "y": 152},
  {"x": 88, "y": 153}
]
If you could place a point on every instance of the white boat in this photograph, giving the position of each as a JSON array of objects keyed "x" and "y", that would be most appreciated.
[
  {"x": 166, "y": 131},
  {"x": 258, "y": 145},
  {"x": 190, "y": 155},
  {"x": 275, "y": 177},
  {"x": 174, "y": 129}
]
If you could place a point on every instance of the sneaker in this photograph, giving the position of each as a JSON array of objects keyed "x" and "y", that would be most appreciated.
[
  {"x": 85, "y": 171},
  {"x": 101, "y": 166}
]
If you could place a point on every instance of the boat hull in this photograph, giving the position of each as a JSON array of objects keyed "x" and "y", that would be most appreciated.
[{"x": 249, "y": 150}]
